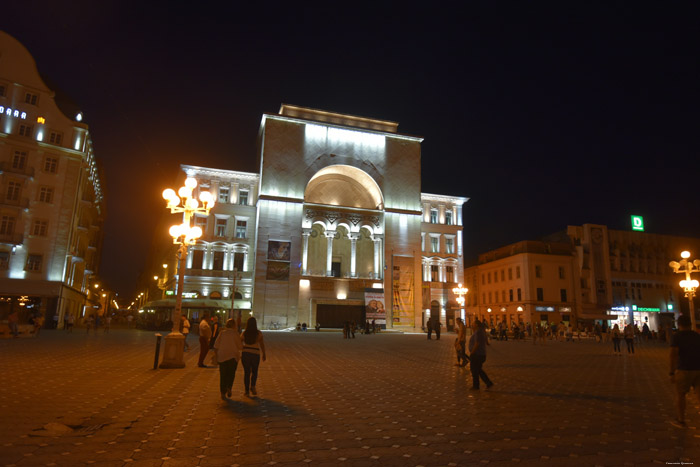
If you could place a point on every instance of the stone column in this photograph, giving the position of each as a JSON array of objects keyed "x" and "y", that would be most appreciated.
[
  {"x": 353, "y": 253},
  {"x": 245, "y": 260},
  {"x": 305, "y": 234},
  {"x": 329, "y": 252},
  {"x": 377, "y": 239}
]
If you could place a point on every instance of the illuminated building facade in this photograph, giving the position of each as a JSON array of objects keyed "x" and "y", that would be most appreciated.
[
  {"x": 51, "y": 202},
  {"x": 587, "y": 273},
  {"x": 224, "y": 251},
  {"x": 337, "y": 227}
]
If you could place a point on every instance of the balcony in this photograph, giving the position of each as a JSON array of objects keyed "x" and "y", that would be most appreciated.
[
  {"x": 12, "y": 239},
  {"x": 6, "y": 167},
  {"x": 20, "y": 203}
]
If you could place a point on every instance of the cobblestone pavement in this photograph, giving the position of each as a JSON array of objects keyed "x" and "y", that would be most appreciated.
[{"x": 388, "y": 399}]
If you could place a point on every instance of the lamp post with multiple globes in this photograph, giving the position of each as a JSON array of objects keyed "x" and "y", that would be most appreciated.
[
  {"x": 687, "y": 267},
  {"x": 460, "y": 292},
  {"x": 184, "y": 235}
]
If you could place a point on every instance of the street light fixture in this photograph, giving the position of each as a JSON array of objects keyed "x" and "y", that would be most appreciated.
[
  {"x": 460, "y": 292},
  {"x": 689, "y": 285},
  {"x": 184, "y": 234}
]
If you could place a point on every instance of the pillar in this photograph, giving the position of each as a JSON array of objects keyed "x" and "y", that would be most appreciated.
[
  {"x": 329, "y": 252},
  {"x": 377, "y": 239},
  {"x": 305, "y": 234},
  {"x": 353, "y": 253}
]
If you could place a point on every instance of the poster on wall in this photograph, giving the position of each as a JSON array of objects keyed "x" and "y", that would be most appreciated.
[
  {"x": 277, "y": 271},
  {"x": 403, "y": 291},
  {"x": 278, "y": 250},
  {"x": 374, "y": 306}
]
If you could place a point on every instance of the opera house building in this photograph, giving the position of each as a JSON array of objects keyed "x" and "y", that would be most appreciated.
[{"x": 333, "y": 228}]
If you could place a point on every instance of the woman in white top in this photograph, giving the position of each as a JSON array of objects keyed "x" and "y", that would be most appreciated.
[
  {"x": 253, "y": 345},
  {"x": 228, "y": 351}
]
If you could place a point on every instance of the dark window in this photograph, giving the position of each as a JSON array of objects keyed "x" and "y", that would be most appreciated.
[
  {"x": 55, "y": 138},
  {"x": 241, "y": 229},
  {"x": 40, "y": 228},
  {"x": 540, "y": 294},
  {"x": 449, "y": 273},
  {"x": 243, "y": 197},
  {"x": 434, "y": 273},
  {"x": 50, "y": 165},
  {"x": 7, "y": 225},
  {"x": 221, "y": 227},
  {"x": 562, "y": 292},
  {"x": 30, "y": 98},
  {"x": 33, "y": 263},
  {"x": 4, "y": 259},
  {"x": 238, "y": 261},
  {"x": 510, "y": 294},
  {"x": 448, "y": 217},
  {"x": 197, "y": 259},
  {"x": 26, "y": 130},
  {"x": 538, "y": 271},
  {"x": 520, "y": 294},
  {"x": 13, "y": 189},
  {"x": 19, "y": 160},
  {"x": 218, "y": 261},
  {"x": 561, "y": 272}
]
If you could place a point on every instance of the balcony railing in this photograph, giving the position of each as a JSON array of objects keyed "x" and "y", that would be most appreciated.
[
  {"x": 12, "y": 239},
  {"x": 6, "y": 166},
  {"x": 22, "y": 203}
]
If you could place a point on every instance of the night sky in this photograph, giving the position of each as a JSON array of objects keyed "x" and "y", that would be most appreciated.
[{"x": 543, "y": 114}]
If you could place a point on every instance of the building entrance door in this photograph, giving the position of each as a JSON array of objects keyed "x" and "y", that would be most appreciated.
[{"x": 335, "y": 316}]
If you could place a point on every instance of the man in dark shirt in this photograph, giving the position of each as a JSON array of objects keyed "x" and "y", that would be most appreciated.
[{"x": 685, "y": 365}]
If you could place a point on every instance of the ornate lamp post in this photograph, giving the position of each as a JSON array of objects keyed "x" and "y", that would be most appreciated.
[
  {"x": 460, "y": 292},
  {"x": 686, "y": 266},
  {"x": 183, "y": 235}
]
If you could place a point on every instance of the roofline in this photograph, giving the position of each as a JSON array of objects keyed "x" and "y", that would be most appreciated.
[{"x": 344, "y": 127}]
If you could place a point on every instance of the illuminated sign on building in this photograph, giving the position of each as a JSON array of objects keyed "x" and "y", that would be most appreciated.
[
  {"x": 638, "y": 223},
  {"x": 184, "y": 294},
  {"x": 13, "y": 112},
  {"x": 544, "y": 308},
  {"x": 620, "y": 308},
  {"x": 642, "y": 308},
  {"x": 41, "y": 120}
]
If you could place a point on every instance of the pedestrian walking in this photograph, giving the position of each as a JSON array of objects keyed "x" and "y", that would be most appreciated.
[
  {"x": 204, "y": 337},
  {"x": 70, "y": 320},
  {"x": 185, "y": 329},
  {"x": 461, "y": 340},
  {"x": 38, "y": 323},
  {"x": 215, "y": 329},
  {"x": 629, "y": 338},
  {"x": 13, "y": 321},
  {"x": 477, "y": 354},
  {"x": 616, "y": 336},
  {"x": 352, "y": 329},
  {"x": 685, "y": 365},
  {"x": 438, "y": 328},
  {"x": 228, "y": 349},
  {"x": 108, "y": 323},
  {"x": 430, "y": 330},
  {"x": 253, "y": 347},
  {"x": 129, "y": 320},
  {"x": 88, "y": 323}
]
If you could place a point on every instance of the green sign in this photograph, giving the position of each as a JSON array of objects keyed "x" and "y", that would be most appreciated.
[
  {"x": 638, "y": 223},
  {"x": 641, "y": 308}
]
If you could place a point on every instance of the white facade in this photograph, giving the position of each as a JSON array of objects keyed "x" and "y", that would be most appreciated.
[
  {"x": 51, "y": 204},
  {"x": 338, "y": 214}
]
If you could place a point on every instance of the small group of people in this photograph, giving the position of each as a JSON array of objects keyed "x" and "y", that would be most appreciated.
[
  {"x": 628, "y": 333},
  {"x": 230, "y": 346},
  {"x": 477, "y": 352},
  {"x": 433, "y": 326},
  {"x": 349, "y": 328}
]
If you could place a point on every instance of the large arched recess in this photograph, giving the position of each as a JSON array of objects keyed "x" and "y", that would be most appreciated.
[{"x": 344, "y": 185}]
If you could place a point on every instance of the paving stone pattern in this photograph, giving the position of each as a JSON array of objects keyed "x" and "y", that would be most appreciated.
[{"x": 387, "y": 399}]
